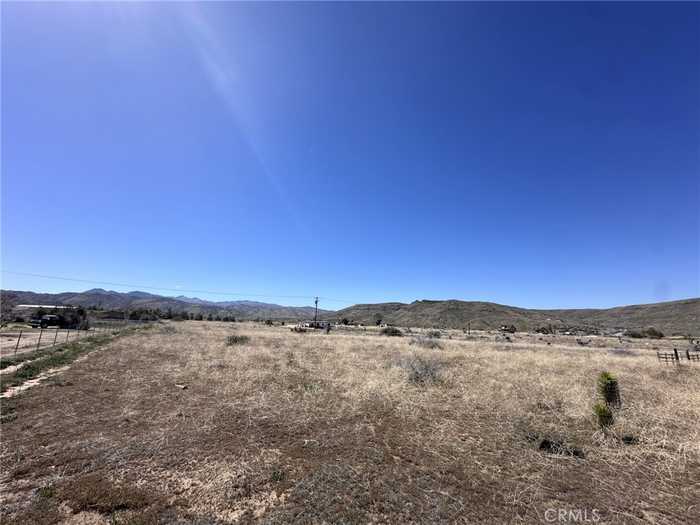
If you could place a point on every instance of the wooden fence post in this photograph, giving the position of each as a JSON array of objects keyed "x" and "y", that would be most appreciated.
[
  {"x": 676, "y": 354},
  {"x": 55, "y": 337},
  {"x": 18, "y": 338},
  {"x": 39, "y": 341}
]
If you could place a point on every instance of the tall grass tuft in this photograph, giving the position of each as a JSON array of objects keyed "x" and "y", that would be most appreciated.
[{"x": 604, "y": 415}]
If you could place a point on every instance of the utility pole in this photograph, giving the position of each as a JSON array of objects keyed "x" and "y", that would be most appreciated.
[{"x": 316, "y": 312}]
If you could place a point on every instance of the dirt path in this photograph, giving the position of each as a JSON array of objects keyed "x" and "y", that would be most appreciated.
[{"x": 12, "y": 391}]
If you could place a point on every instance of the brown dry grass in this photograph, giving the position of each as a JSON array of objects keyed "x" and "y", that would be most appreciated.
[{"x": 316, "y": 428}]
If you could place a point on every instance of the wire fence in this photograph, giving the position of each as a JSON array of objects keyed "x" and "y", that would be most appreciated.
[{"x": 22, "y": 340}]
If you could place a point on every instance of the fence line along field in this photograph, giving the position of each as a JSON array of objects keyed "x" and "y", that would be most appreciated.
[
  {"x": 22, "y": 338},
  {"x": 206, "y": 422}
]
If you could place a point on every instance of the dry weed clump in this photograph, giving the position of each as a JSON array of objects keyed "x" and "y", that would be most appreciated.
[
  {"x": 423, "y": 370},
  {"x": 425, "y": 342}
]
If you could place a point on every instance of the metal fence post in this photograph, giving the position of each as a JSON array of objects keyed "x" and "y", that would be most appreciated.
[
  {"x": 18, "y": 338},
  {"x": 39, "y": 341}
]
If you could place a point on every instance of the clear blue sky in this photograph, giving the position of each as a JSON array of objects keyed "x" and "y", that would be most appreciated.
[{"x": 540, "y": 155}]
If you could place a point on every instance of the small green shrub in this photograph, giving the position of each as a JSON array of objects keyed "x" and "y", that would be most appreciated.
[
  {"x": 47, "y": 491},
  {"x": 391, "y": 331},
  {"x": 237, "y": 340},
  {"x": 608, "y": 389},
  {"x": 277, "y": 476},
  {"x": 435, "y": 334},
  {"x": 604, "y": 415}
]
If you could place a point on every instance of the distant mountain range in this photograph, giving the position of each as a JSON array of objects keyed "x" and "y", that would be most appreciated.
[
  {"x": 673, "y": 317},
  {"x": 111, "y": 300}
]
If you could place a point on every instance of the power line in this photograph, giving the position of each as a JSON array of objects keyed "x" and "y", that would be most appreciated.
[{"x": 179, "y": 290}]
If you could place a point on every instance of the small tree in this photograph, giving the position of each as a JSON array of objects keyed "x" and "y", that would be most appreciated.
[
  {"x": 653, "y": 333},
  {"x": 392, "y": 331},
  {"x": 608, "y": 389}
]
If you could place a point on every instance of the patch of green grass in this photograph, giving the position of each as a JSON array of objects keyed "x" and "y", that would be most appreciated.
[
  {"x": 7, "y": 411},
  {"x": 47, "y": 491},
  {"x": 24, "y": 356},
  {"x": 59, "y": 356},
  {"x": 278, "y": 475}
]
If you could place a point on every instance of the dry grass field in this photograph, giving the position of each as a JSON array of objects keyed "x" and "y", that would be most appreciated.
[{"x": 171, "y": 424}]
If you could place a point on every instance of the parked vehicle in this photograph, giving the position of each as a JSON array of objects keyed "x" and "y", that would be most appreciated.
[{"x": 45, "y": 321}]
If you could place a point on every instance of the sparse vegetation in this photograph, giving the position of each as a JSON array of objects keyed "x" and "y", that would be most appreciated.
[
  {"x": 312, "y": 418},
  {"x": 236, "y": 339},
  {"x": 422, "y": 370},
  {"x": 56, "y": 357},
  {"x": 391, "y": 331},
  {"x": 426, "y": 342},
  {"x": 651, "y": 333}
]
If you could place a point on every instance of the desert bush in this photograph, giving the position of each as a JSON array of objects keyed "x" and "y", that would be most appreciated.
[
  {"x": 604, "y": 415},
  {"x": 653, "y": 333},
  {"x": 237, "y": 340},
  {"x": 391, "y": 331},
  {"x": 436, "y": 334},
  {"x": 422, "y": 371}
]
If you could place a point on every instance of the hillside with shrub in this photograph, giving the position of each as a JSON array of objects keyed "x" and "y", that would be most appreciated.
[{"x": 669, "y": 318}]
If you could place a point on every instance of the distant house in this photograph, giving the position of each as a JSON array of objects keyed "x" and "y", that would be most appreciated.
[{"x": 315, "y": 324}]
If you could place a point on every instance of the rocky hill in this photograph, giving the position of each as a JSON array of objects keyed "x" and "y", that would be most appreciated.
[
  {"x": 673, "y": 317},
  {"x": 111, "y": 300}
]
